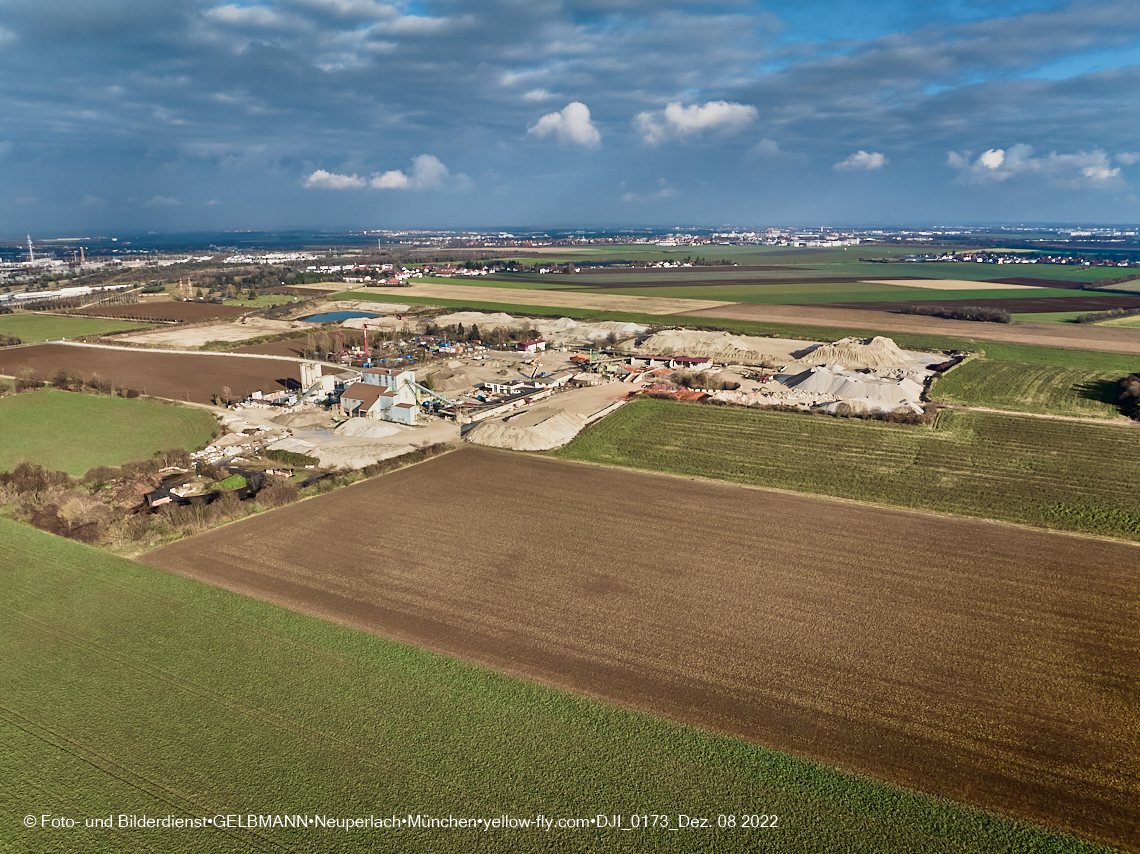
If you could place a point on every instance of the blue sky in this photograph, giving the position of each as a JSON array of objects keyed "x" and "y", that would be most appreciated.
[{"x": 206, "y": 114}]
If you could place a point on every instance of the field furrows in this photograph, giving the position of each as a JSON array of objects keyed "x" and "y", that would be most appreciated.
[
  {"x": 177, "y": 376},
  {"x": 984, "y": 662},
  {"x": 1037, "y": 471}
]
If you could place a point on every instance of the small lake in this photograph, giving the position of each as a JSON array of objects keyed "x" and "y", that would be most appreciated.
[{"x": 336, "y": 316}]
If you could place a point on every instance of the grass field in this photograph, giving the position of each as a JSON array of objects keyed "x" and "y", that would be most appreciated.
[
  {"x": 1031, "y": 388},
  {"x": 73, "y": 432},
  {"x": 132, "y": 691},
  {"x": 1056, "y": 474},
  {"x": 743, "y": 287},
  {"x": 1126, "y": 322},
  {"x": 31, "y": 328},
  {"x": 1049, "y": 316},
  {"x": 262, "y": 300}
]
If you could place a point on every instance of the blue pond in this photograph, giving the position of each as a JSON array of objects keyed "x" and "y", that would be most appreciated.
[{"x": 336, "y": 316}]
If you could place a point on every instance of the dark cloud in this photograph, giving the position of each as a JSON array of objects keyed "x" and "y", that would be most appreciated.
[{"x": 129, "y": 101}]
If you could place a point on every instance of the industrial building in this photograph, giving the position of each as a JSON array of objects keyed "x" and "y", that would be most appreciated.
[{"x": 384, "y": 394}]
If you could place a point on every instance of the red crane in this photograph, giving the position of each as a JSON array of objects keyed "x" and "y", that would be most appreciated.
[{"x": 366, "y": 360}]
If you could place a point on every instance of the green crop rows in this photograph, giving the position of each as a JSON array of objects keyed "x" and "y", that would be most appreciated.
[
  {"x": 130, "y": 691},
  {"x": 73, "y": 432},
  {"x": 1067, "y": 475},
  {"x": 1030, "y": 388},
  {"x": 31, "y": 328}
]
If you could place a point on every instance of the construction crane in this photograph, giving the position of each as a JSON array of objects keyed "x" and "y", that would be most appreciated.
[{"x": 366, "y": 362}]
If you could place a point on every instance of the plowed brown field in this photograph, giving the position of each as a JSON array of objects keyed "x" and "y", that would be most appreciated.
[
  {"x": 178, "y": 376},
  {"x": 987, "y": 663}
]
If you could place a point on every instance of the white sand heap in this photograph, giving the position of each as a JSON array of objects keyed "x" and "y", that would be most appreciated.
[
  {"x": 312, "y": 418},
  {"x": 877, "y": 352},
  {"x": 558, "y": 332},
  {"x": 718, "y": 346},
  {"x": 297, "y": 446},
  {"x": 484, "y": 321},
  {"x": 553, "y": 432},
  {"x": 832, "y": 381},
  {"x": 366, "y": 428}
]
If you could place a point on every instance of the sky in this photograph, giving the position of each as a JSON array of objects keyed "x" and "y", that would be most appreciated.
[{"x": 127, "y": 115}]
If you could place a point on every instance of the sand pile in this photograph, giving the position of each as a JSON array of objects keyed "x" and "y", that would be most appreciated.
[
  {"x": 304, "y": 419},
  {"x": 557, "y": 333},
  {"x": 718, "y": 346},
  {"x": 828, "y": 381},
  {"x": 877, "y": 352},
  {"x": 553, "y": 432},
  {"x": 484, "y": 321},
  {"x": 297, "y": 446},
  {"x": 366, "y": 428}
]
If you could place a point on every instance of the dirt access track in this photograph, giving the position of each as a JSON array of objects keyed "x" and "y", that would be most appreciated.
[
  {"x": 177, "y": 376},
  {"x": 1069, "y": 336},
  {"x": 986, "y": 663}
]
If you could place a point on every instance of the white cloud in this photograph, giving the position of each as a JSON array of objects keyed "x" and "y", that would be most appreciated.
[
  {"x": 862, "y": 161},
  {"x": 664, "y": 191},
  {"x": 765, "y": 148},
  {"x": 161, "y": 202},
  {"x": 676, "y": 121},
  {"x": 427, "y": 173},
  {"x": 331, "y": 181},
  {"x": 1081, "y": 170},
  {"x": 570, "y": 124},
  {"x": 992, "y": 159},
  {"x": 1128, "y": 157},
  {"x": 538, "y": 95}
]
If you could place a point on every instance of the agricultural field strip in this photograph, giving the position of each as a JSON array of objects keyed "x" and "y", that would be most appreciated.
[
  {"x": 159, "y": 373},
  {"x": 107, "y": 765},
  {"x": 1030, "y": 389},
  {"x": 262, "y": 715},
  {"x": 466, "y": 605},
  {"x": 1010, "y": 473},
  {"x": 553, "y": 299},
  {"x": 111, "y": 431},
  {"x": 1034, "y": 343},
  {"x": 37, "y": 327},
  {"x": 858, "y": 822}
]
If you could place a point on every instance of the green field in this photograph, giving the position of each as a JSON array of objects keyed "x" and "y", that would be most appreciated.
[
  {"x": 1126, "y": 322},
  {"x": 1049, "y": 316},
  {"x": 806, "y": 293},
  {"x": 72, "y": 432},
  {"x": 1057, "y": 474},
  {"x": 31, "y": 328},
  {"x": 734, "y": 286},
  {"x": 1031, "y": 388},
  {"x": 263, "y": 300},
  {"x": 131, "y": 691}
]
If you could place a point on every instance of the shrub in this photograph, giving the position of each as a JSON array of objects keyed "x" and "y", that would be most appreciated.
[
  {"x": 1097, "y": 316},
  {"x": 291, "y": 458},
  {"x": 28, "y": 380},
  {"x": 1128, "y": 395},
  {"x": 960, "y": 312},
  {"x": 278, "y": 494}
]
